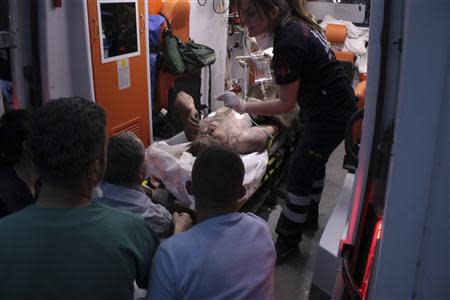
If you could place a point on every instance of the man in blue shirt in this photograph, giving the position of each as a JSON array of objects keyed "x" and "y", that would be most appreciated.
[
  {"x": 121, "y": 187},
  {"x": 227, "y": 255}
]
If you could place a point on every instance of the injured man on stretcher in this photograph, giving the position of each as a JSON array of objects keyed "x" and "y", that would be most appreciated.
[
  {"x": 171, "y": 161},
  {"x": 224, "y": 127}
]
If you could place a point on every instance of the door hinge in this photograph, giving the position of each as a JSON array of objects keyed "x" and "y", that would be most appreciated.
[{"x": 399, "y": 43}]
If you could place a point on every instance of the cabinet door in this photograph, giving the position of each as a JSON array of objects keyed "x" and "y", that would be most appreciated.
[{"x": 119, "y": 62}]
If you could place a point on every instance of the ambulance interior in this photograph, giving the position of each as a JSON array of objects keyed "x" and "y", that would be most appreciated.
[{"x": 381, "y": 235}]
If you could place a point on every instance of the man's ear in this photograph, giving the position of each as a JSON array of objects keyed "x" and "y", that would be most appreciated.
[
  {"x": 241, "y": 192},
  {"x": 189, "y": 187},
  {"x": 94, "y": 172},
  {"x": 143, "y": 172}
]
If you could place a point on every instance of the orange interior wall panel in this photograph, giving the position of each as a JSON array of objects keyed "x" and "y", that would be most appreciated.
[
  {"x": 177, "y": 11},
  {"x": 154, "y": 7},
  {"x": 128, "y": 108}
]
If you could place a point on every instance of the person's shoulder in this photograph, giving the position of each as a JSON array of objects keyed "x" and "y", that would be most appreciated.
[
  {"x": 292, "y": 35},
  {"x": 126, "y": 222},
  {"x": 256, "y": 226},
  {"x": 254, "y": 219},
  {"x": 292, "y": 24},
  {"x": 181, "y": 238},
  {"x": 117, "y": 215},
  {"x": 181, "y": 243},
  {"x": 293, "y": 28},
  {"x": 19, "y": 218}
]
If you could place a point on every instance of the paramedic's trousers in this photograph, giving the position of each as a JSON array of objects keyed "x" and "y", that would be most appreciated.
[{"x": 306, "y": 177}]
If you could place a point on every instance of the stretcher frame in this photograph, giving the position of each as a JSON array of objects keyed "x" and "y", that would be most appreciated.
[{"x": 279, "y": 151}]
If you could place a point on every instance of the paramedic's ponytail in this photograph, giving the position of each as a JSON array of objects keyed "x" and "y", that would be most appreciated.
[
  {"x": 298, "y": 10},
  {"x": 286, "y": 10}
]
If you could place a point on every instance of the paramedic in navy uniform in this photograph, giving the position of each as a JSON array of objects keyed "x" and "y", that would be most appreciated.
[{"x": 307, "y": 73}]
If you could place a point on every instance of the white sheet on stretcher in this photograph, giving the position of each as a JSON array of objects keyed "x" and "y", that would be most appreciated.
[{"x": 173, "y": 165}]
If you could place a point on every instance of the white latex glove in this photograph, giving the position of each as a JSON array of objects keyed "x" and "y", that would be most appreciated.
[
  {"x": 268, "y": 52},
  {"x": 233, "y": 101}
]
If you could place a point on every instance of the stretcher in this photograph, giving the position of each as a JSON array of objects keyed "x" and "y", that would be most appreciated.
[{"x": 169, "y": 162}]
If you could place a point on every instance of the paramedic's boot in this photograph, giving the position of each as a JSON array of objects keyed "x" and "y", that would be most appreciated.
[
  {"x": 285, "y": 250},
  {"x": 312, "y": 221},
  {"x": 289, "y": 236}
]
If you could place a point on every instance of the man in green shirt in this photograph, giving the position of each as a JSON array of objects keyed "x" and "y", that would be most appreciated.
[{"x": 64, "y": 246}]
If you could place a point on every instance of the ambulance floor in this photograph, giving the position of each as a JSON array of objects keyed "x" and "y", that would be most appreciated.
[{"x": 293, "y": 278}]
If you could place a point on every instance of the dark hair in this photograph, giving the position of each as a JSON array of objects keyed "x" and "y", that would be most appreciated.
[
  {"x": 67, "y": 135},
  {"x": 201, "y": 143},
  {"x": 217, "y": 178},
  {"x": 125, "y": 157},
  {"x": 15, "y": 126},
  {"x": 286, "y": 10}
]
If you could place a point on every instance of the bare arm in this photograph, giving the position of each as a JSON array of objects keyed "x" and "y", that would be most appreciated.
[
  {"x": 287, "y": 100},
  {"x": 185, "y": 107},
  {"x": 184, "y": 103}
]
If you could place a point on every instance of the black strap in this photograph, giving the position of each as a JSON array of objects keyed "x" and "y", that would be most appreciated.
[
  {"x": 209, "y": 89},
  {"x": 169, "y": 26}
]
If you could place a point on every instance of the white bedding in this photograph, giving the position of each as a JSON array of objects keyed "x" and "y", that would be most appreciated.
[
  {"x": 356, "y": 41},
  {"x": 169, "y": 162}
]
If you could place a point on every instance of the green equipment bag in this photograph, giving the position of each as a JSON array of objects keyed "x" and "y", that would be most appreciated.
[
  {"x": 196, "y": 56},
  {"x": 171, "y": 55},
  {"x": 180, "y": 57}
]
